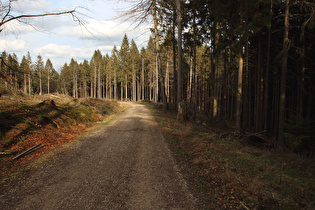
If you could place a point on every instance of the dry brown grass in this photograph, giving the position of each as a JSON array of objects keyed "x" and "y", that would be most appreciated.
[{"x": 27, "y": 121}]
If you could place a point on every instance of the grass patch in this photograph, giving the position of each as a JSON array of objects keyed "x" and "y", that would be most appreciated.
[
  {"x": 227, "y": 173},
  {"x": 11, "y": 176},
  {"x": 116, "y": 115},
  {"x": 81, "y": 113}
]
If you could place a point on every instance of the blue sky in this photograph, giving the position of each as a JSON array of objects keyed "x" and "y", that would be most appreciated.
[{"x": 61, "y": 38}]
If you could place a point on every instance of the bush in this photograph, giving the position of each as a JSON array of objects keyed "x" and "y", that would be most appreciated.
[{"x": 299, "y": 135}]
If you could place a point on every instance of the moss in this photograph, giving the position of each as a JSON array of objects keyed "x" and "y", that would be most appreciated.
[{"x": 82, "y": 113}]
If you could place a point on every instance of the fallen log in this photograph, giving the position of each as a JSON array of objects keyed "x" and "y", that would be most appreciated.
[{"x": 30, "y": 150}]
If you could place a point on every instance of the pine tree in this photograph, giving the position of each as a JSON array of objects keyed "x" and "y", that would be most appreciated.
[
  {"x": 39, "y": 68},
  {"x": 114, "y": 60},
  {"x": 135, "y": 59},
  {"x": 25, "y": 68},
  {"x": 48, "y": 70},
  {"x": 124, "y": 63}
]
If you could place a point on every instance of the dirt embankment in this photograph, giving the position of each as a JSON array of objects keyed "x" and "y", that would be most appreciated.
[{"x": 49, "y": 120}]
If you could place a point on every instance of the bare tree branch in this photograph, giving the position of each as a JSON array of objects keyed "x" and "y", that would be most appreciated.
[
  {"x": 8, "y": 17},
  {"x": 7, "y": 14},
  {"x": 38, "y": 15}
]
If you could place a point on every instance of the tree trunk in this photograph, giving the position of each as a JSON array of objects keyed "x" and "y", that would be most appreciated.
[
  {"x": 95, "y": 77},
  {"x": 29, "y": 83},
  {"x": 239, "y": 91},
  {"x": 25, "y": 84},
  {"x": 85, "y": 88},
  {"x": 189, "y": 85},
  {"x": 240, "y": 76},
  {"x": 284, "y": 69},
  {"x": 167, "y": 81},
  {"x": 48, "y": 85},
  {"x": 110, "y": 87},
  {"x": 40, "y": 81},
  {"x": 99, "y": 95},
  {"x": 134, "y": 83},
  {"x": 142, "y": 80},
  {"x": 73, "y": 81},
  {"x": 179, "y": 52},
  {"x": 266, "y": 93},
  {"x": 91, "y": 90},
  {"x": 126, "y": 87},
  {"x": 115, "y": 84},
  {"x": 121, "y": 90},
  {"x": 259, "y": 91},
  {"x": 76, "y": 84},
  {"x": 138, "y": 90},
  {"x": 106, "y": 87},
  {"x": 174, "y": 63}
]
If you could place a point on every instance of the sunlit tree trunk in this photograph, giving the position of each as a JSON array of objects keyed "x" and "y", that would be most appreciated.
[
  {"x": 40, "y": 82},
  {"x": 25, "y": 83},
  {"x": 110, "y": 87},
  {"x": 134, "y": 82},
  {"x": 29, "y": 83},
  {"x": 159, "y": 74},
  {"x": 48, "y": 81},
  {"x": 126, "y": 87},
  {"x": 142, "y": 79},
  {"x": 189, "y": 85},
  {"x": 122, "y": 91},
  {"x": 74, "y": 83},
  {"x": 106, "y": 87},
  {"x": 99, "y": 90},
  {"x": 167, "y": 81},
  {"x": 95, "y": 78},
  {"x": 240, "y": 77}
]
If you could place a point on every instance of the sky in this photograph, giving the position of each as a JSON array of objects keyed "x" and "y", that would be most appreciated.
[{"x": 60, "y": 38}]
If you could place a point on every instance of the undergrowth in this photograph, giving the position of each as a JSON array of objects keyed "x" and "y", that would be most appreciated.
[{"x": 229, "y": 173}]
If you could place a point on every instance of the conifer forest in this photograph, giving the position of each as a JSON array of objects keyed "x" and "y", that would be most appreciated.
[{"x": 247, "y": 63}]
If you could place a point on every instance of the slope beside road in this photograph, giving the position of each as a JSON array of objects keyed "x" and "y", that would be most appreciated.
[{"x": 123, "y": 165}]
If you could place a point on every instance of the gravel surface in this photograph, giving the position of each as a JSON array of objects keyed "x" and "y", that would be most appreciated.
[{"x": 123, "y": 165}]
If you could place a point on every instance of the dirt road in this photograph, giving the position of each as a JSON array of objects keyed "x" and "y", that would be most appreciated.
[{"x": 124, "y": 165}]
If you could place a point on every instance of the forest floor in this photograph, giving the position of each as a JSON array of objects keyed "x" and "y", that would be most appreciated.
[
  {"x": 125, "y": 164},
  {"x": 50, "y": 120},
  {"x": 225, "y": 171},
  {"x": 222, "y": 170}
]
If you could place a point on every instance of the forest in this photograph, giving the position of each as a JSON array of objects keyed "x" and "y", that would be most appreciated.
[{"x": 249, "y": 64}]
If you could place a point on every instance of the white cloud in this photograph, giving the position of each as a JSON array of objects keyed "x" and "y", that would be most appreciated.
[
  {"x": 59, "y": 54},
  {"x": 17, "y": 28},
  {"x": 13, "y": 45},
  {"x": 27, "y": 6},
  {"x": 106, "y": 48},
  {"x": 94, "y": 29},
  {"x": 63, "y": 51}
]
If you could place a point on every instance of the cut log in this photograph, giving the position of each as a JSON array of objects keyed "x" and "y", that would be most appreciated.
[{"x": 32, "y": 149}]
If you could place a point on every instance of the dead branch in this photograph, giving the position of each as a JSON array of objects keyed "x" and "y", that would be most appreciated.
[
  {"x": 37, "y": 15},
  {"x": 257, "y": 135},
  {"x": 8, "y": 17},
  {"x": 244, "y": 205},
  {"x": 28, "y": 151}
]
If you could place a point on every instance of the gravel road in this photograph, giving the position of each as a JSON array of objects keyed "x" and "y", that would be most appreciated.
[{"x": 123, "y": 165}]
